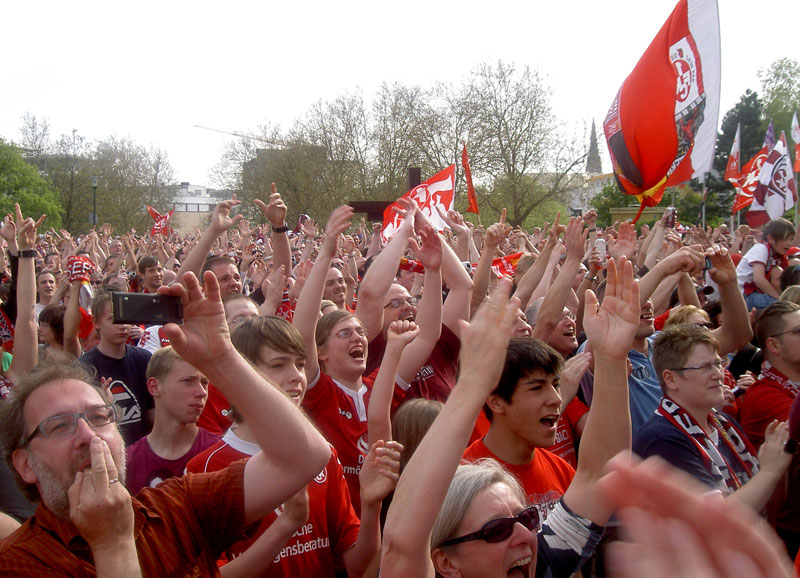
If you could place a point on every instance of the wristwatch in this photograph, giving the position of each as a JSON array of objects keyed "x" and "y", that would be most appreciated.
[
  {"x": 27, "y": 253},
  {"x": 280, "y": 229}
]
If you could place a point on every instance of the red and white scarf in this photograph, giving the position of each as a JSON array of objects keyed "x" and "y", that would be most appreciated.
[
  {"x": 716, "y": 464},
  {"x": 768, "y": 372}
]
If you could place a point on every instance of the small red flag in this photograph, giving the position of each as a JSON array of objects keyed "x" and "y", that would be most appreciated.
[
  {"x": 745, "y": 184},
  {"x": 732, "y": 170},
  {"x": 161, "y": 222},
  {"x": 473, "y": 201}
]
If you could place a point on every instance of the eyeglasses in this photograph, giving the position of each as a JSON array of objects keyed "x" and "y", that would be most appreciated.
[
  {"x": 500, "y": 529},
  {"x": 568, "y": 315},
  {"x": 706, "y": 368},
  {"x": 347, "y": 332},
  {"x": 398, "y": 302},
  {"x": 796, "y": 331},
  {"x": 66, "y": 424}
]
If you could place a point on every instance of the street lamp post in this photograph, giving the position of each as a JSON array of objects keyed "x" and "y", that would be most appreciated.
[{"x": 94, "y": 201}]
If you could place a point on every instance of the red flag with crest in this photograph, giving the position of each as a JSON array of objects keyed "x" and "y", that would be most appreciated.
[
  {"x": 161, "y": 225},
  {"x": 437, "y": 191},
  {"x": 661, "y": 128},
  {"x": 473, "y": 201},
  {"x": 776, "y": 191},
  {"x": 745, "y": 183}
]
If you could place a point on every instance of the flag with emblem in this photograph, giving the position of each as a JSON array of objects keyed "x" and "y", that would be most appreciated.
[
  {"x": 161, "y": 222},
  {"x": 745, "y": 183},
  {"x": 437, "y": 191},
  {"x": 661, "y": 128},
  {"x": 776, "y": 191}
]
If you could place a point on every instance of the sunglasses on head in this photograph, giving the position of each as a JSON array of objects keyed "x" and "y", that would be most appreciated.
[{"x": 500, "y": 529}]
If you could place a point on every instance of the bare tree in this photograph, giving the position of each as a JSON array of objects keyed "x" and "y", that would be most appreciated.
[{"x": 35, "y": 138}]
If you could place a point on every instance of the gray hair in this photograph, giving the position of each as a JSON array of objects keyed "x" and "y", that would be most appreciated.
[{"x": 469, "y": 481}]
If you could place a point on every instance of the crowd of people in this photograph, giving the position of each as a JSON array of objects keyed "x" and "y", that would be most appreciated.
[{"x": 467, "y": 402}]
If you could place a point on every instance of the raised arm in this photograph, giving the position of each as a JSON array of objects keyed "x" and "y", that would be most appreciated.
[
  {"x": 689, "y": 259},
  {"x": 72, "y": 320},
  {"x": 455, "y": 276},
  {"x": 735, "y": 331},
  {"x": 379, "y": 424},
  {"x": 429, "y": 313},
  {"x": 407, "y": 532},
  {"x": 494, "y": 236},
  {"x": 533, "y": 276},
  {"x": 610, "y": 329},
  {"x": 25, "y": 354},
  {"x": 556, "y": 297},
  {"x": 221, "y": 221},
  {"x": 382, "y": 272},
  {"x": 275, "y": 213},
  {"x": 292, "y": 450},
  {"x": 306, "y": 312}
]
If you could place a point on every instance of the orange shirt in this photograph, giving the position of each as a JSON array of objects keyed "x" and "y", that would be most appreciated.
[{"x": 545, "y": 479}]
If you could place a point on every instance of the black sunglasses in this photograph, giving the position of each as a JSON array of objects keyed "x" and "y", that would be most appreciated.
[{"x": 500, "y": 529}]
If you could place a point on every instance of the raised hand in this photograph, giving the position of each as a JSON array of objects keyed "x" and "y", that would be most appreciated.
[
  {"x": 625, "y": 243},
  {"x": 301, "y": 272},
  {"x": 338, "y": 223},
  {"x": 674, "y": 527},
  {"x": 275, "y": 212},
  {"x": 555, "y": 230},
  {"x": 575, "y": 238},
  {"x": 722, "y": 268},
  {"x": 430, "y": 252},
  {"x": 26, "y": 237},
  {"x": 610, "y": 328},
  {"x": 203, "y": 339},
  {"x": 485, "y": 339},
  {"x": 402, "y": 332},
  {"x": 221, "y": 217},
  {"x": 380, "y": 471},
  {"x": 9, "y": 232}
]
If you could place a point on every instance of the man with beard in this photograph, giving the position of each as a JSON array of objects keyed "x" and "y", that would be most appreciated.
[{"x": 59, "y": 434}]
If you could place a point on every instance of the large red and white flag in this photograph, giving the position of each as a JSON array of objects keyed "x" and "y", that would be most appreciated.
[
  {"x": 733, "y": 170},
  {"x": 661, "y": 128},
  {"x": 437, "y": 191},
  {"x": 776, "y": 191},
  {"x": 745, "y": 183},
  {"x": 796, "y": 139}
]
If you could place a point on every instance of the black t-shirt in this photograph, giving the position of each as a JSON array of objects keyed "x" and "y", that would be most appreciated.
[{"x": 128, "y": 386}]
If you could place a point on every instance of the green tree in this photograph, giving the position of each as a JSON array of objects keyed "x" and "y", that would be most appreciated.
[
  {"x": 780, "y": 89},
  {"x": 20, "y": 183},
  {"x": 68, "y": 166},
  {"x": 130, "y": 178},
  {"x": 610, "y": 197},
  {"x": 746, "y": 113}
]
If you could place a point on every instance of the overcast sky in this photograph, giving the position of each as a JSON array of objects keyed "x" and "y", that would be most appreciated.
[{"x": 150, "y": 71}]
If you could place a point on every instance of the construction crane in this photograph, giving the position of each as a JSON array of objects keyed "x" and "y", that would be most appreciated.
[{"x": 241, "y": 135}]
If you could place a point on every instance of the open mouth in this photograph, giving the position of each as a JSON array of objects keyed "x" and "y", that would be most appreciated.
[
  {"x": 520, "y": 568},
  {"x": 550, "y": 420},
  {"x": 357, "y": 352}
]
